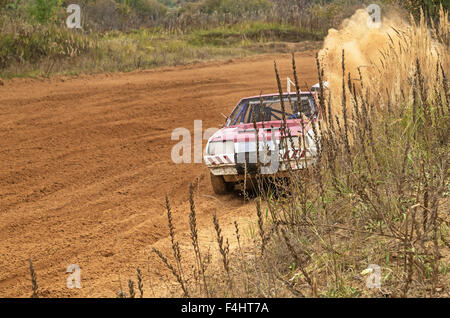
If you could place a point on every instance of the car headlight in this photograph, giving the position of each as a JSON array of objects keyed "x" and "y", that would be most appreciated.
[{"x": 221, "y": 147}]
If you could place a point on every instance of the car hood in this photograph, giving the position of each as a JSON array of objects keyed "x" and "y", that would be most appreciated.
[{"x": 268, "y": 131}]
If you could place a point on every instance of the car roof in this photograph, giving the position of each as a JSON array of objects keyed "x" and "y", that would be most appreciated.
[{"x": 276, "y": 94}]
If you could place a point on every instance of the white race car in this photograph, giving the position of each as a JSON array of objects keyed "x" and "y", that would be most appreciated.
[{"x": 231, "y": 153}]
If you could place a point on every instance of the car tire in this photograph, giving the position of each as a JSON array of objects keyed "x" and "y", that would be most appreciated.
[{"x": 219, "y": 185}]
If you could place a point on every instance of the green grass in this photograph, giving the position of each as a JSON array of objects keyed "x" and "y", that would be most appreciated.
[{"x": 246, "y": 33}]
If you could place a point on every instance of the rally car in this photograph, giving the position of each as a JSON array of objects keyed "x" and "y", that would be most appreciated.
[{"x": 231, "y": 153}]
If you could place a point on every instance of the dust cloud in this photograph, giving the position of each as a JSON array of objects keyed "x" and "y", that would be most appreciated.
[{"x": 385, "y": 56}]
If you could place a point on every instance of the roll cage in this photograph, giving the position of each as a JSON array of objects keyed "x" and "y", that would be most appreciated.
[{"x": 249, "y": 109}]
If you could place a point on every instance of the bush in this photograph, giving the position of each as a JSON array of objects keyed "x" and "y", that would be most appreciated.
[
  {"x": 430, "y": 7},
  {"x": 150, "y": 9},
  {"x": 44, "y": 11},
  {"x": 29, "y": 43}
]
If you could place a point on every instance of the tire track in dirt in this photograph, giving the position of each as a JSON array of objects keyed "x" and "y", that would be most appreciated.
[{"x": 85, "y": 165}]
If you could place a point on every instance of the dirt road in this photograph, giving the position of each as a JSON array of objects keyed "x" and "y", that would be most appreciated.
[{"x": 85, "y": 164}]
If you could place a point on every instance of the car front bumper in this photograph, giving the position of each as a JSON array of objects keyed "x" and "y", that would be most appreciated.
[{"x": 220, "y": 166}]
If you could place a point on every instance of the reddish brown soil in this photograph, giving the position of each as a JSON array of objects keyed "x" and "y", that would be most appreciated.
[{"x": 85, "y": 164}]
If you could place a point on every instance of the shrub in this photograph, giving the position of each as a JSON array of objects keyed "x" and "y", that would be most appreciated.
[
  {"x": 29, "y": 43},
  {"x": 150, "y": 9},
  {"x": 44, "y": 11}
]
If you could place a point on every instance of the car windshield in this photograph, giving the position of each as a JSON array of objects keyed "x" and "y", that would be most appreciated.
[{"x": 270, "y": 110}]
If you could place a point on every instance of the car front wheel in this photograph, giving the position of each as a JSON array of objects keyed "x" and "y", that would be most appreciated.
[{"x": 219, "y": 185}]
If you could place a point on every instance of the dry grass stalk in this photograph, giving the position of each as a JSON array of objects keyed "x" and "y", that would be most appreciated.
[
  {"x": 131, "y": 288},
  {"x": 224, "y": 249},
  {"x": 194, "y": 239},
  {"x": 140, "y": 282},
  {"x": 34, "y": 285}
]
